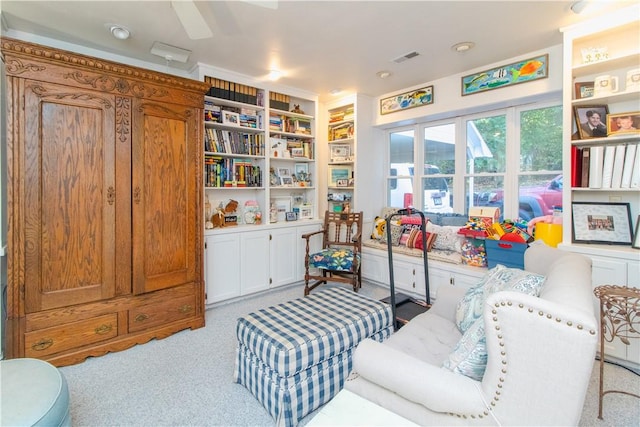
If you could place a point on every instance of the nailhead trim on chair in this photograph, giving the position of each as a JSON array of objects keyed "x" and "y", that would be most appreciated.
[{"x": 503, "y": 353}]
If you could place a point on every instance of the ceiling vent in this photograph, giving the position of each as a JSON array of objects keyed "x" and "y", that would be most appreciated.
[{"x": 405, "y": 57}]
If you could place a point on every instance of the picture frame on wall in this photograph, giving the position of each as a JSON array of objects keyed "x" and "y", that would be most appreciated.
[
  {"x": 591, "y": 120},
  {"x": 506, "y": 75},
  {"x": 600, "y": 222}
]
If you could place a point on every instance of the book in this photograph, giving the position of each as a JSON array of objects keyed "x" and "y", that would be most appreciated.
[
  {"x": 576, "y": 166},
  {"x": 607, "y": 165},
  {"x": 586, "y": 161},
  {"x": 630, "y": 159},
  {"x": 618, "y": 165},
  {"x": 595, "y": 167},
  {"x": 635, "y": 175}
]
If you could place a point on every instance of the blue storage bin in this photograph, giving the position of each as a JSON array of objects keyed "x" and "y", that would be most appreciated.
[{"x": 509, "y": 254}]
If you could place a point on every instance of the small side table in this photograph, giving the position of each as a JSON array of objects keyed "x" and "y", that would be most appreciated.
[{"x": 619, "y": 317}]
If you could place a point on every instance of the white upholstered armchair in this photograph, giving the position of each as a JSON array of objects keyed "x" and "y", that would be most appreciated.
[{"x": 540, "y": 353}]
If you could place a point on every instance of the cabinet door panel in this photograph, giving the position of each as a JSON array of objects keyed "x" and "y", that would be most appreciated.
[
  {"x": 283, "y": 265},
  {"x": 223, "y": 267},
  {"x": 165, "y": 196},
  {"x": 70, "y": 189},
  {"x": 254, "y": 253}
]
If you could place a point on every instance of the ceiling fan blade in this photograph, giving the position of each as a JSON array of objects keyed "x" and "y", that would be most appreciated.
[{"x": 192, "y": 20}]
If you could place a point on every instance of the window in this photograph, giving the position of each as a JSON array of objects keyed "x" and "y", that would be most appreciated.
[{"x": 511, "y": 159}]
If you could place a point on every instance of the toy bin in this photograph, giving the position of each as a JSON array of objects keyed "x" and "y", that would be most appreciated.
[
  {"x": 509, "y": 254},
  {"x": 473, "y": 247}
]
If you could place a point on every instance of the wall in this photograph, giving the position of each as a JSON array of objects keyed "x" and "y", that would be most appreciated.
[{"x": 448, "y": 101}]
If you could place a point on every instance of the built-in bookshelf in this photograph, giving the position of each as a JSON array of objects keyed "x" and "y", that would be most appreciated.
[
  {"x": 602, "y": 166},
  {"x": 341, "y": 155}
]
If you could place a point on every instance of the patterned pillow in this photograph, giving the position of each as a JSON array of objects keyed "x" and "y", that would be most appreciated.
[
  {"x": 415, "y": 240},
  {"x": 499, "y": 278},
  {"x": 396, "y": 233},
  {"x": 448, "y": 238},
  {"x": 469, "y": 358},
  {"x": 378, "y": 228}
]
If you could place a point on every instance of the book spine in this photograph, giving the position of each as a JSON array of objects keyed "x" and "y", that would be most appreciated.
[
  {"x": 596, "y": 167},
  {"x": 586, "y": 162},
  {"x": 618, "y": 166},
  {"x": 629, "y": 160},
  {"x": 607, "y": 165}
]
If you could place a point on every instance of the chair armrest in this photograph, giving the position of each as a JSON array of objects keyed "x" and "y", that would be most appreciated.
[
  {"x": 307, "y": 235},
  {"x": 433, "y": 387},
  {"x": 356, "y": 238}
]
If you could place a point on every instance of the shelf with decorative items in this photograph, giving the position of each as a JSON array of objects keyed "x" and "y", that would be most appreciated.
[
  {"x": 292, "y": 164},
  {"x": 601, "y": 156},
  {"x": 341, "y": 156}
]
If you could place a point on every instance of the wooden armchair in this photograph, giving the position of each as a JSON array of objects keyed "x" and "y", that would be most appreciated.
[{"x": 339, "y": 258}]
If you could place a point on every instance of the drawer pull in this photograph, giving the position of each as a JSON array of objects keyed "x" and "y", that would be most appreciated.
[
  {"x": 185, "y": 308},
  {"x": 141, "y": 317},
  {"x": 104, "y": 329},
  {"x": 43, "y": 344}
]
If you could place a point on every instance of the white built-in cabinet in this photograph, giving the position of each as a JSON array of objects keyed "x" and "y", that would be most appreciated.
[
  {"x": 617, "y": 38},
  {"x": 243, "y": 263},
  {"x": 408, "y": 273}
]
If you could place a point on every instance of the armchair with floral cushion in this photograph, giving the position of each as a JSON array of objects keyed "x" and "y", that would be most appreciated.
[{"x": 339, "y": 258}]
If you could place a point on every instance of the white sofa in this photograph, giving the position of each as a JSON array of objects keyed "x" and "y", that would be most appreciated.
[{"x": 540, "y": 354}]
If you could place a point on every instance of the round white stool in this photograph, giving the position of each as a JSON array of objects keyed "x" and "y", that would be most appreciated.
[{"x": 34, "y": 393}]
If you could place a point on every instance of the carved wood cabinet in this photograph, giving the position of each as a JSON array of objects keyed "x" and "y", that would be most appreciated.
[{"x": 103, "y": 199}]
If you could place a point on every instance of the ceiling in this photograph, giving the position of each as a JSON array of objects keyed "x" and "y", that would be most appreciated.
[{"x": 318, "y": 45}]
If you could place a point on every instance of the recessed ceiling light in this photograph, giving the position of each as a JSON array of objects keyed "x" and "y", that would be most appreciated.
[
  {"x": 119, "y": 32},
  {"x": 335, "y": 91},
  {"x": 383, "y": 74},
  {"x": 274, "y": 75},
  {"x": 579, "y": 6},
  {"x": 463, "y": 47}
]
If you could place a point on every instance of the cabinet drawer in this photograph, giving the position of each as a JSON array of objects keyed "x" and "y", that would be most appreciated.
[
  {"x": 56, "y": 339},
  {"x": 151, "y": 315}
]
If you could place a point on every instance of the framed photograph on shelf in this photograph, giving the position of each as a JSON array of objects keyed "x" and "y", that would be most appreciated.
[
  {"x": 342, "y": 183},
  {"x": 297, "y": 152},
  {"x": 290, "y": 216},
  {"x": 591, "y": 120},
  {"x": 340, "y": 153},
  {"x": 283, "y": 205},
  {"x": 301, "y": 168},
  {"x": 623, "y": 123},
  {"x": 306, "y": 212},
  {"x": 337, "y": 173},
  {"x": 600, "y": 222},
  {"x": 230, "y": 118},
  {"x": 636, "y": 235},
  {"x": 584, "y": 90}
]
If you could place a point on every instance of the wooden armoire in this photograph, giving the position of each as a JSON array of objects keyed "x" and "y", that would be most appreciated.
[{"x": 104, "y": 203}]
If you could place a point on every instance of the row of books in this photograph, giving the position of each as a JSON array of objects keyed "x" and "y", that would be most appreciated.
[
  {"x": 611, "y": 166},
  {"x": 234, "y": 91},
  {"x": 233, "y": 142},
  {"x": 279, "y": 101},
  {"x": 342, "y": 131},
  {"x": 225, "y": 172},
  {"x": 289, "y": 124},
  {"x": 246, "y": 117},
  {"x": 341, "y": 115}
]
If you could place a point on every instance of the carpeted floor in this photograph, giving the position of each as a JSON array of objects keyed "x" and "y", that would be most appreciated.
[{"x": 187, "y": 379}]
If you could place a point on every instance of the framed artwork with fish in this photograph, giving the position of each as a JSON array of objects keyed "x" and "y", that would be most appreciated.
[
  {"x": 506, "y": 75},
  {"x": 404, "y": 101}
]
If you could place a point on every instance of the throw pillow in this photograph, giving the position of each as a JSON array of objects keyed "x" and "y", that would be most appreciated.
[
  {"x": 469, "y": 358},
  {"x": 396, "y": 233},
  {"x": 448, "y": 238},
  {"x": 415, "y": 240},
  {"x": 378, "y": 228},
  {"x": 499, "y": 278}
]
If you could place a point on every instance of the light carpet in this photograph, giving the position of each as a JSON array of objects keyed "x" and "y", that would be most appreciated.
[{"x": 187, "y": 379}]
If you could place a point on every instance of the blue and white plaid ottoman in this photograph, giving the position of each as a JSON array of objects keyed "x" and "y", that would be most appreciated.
[{"x": 295, "y": 356}]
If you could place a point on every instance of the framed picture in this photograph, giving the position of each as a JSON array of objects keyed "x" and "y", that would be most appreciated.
[
  {"x": 297, "y": 152},
  {"x": 506, "y": 75},
  {"x": 301, "y": 168},
  {"x": 230, "y": 118},
  {"x": 290, "y": 216},
  {"x": 591, "y": 120},
  {"x": 338, "y": 173},
  {"x": 283, "y": 205},
  {"x": 623, "y": 123},
  {"x": 284, "y": 172},
  {"x": 584, "y": 90},
  {"x": 636, "y": 235},
  {"x": 306, "y": 212},
  {"x": 595, "y": 222},
  {"x": 406, "y": 100},
  {"x": 340, "y": 153},
  {"x": 286, "y": 181},
  {"x": 342, "y": 183}
]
